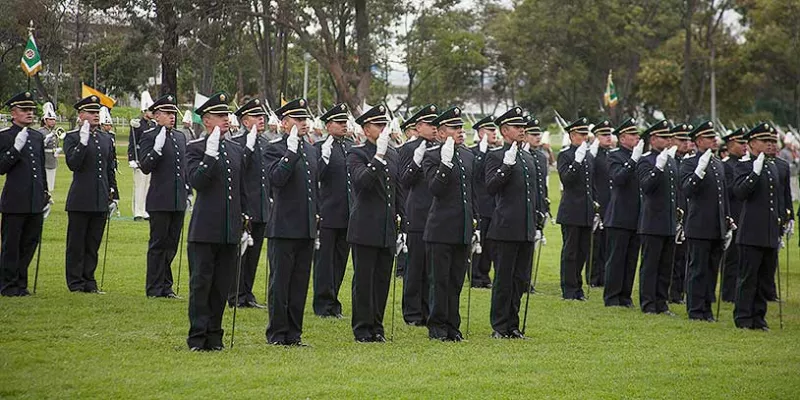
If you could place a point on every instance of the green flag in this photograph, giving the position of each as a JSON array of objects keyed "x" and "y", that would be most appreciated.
[
  {"x": 610, "y": 96},
  {"x": 31, "y": 60}
]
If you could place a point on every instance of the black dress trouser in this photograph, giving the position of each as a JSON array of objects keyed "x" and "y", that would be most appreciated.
[
  {"x": 513, "y": 261},
  {"x": 654, "y": 273},
  {"x": 165, "y": 235},
  {"x": 21, "y": 233},
  {"x": 84, "y": 235},
  {"x": 574, "y": 255},
  {"x": 482, "y": 263},
  {"x": 211, "y": 269},
  {"x": 753, "y": 286},
  {"x": 290, "y": 270},
  {"x": 415, "y": 283},
  {"x": 329, "y": 269},
  {"x": 447, "y": 267},
  {"x": 599, "y": 258},
  {"x": 250, "y": 260},
  {"x": 677, "y": 287},
  {"x": 620, "y": 271},
  {"x": 704, "y": 259},
  {"x": 372, "y": 274}
]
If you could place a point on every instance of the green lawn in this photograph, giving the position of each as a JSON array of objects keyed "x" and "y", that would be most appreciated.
[{"x": 123, "y": 345}]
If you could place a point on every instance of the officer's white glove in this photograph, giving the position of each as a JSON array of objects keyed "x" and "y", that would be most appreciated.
[
  {"x": 594, "y": 147},
  {"x": 661, "y": 160},
  {"x": 510, "y": 156},
  {"x": 580, "y": 152},
  {"x": 419, "y": 153},
  {"x": 476, "y": 243},
  {"x": 702, "y": 164},
  {"x": 326, "y": 149},
  {"x": 21, "y": 139},
  {"x": 758, "y": 164},
  {"x": 113, "y": 207},
  {"x": 189, "y": 201},
  {"x": 133, "y": 164},
  {"x": 636, "y": 154},
  {"x": 399, "y": 244},
  {"x": 597, "y": 223},
  {"x": 382, "y": 143},
  {"x": 317, "y": 244},
  {"x": 728, "y": 239},
  {"x": 251, "y": 138},
  {"x": 526, "y": 147},
  {"x": 447, "y": 152},
  {"x": 161, "y": 138},
  {"x": 790, "y": 228},
  {"x": 212, "y": 143},
  {"x": 483, "y": 146},
  {"x": 782, "y": 243},
  {"x": 538, "y": 236},
  {"x": 85, "y": 133},
  {"x": 245, "y": 242},
  {"x": 672, "y": 150},
  {"x": 543, "y": 240},
  {"x": 47, "y": 207},
  {"x": 293, "y": 140}
]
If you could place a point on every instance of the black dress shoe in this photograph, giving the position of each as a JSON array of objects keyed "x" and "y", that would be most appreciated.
[
  {"x": 455, "y": 337},
  {"x": 763, "y": 328},
  {"x": 378, "y": 338},
  {"x": 276, "y": 343},
  {"x": 516, "y": 334},
  {"x": 217, "y": 348},
  {"x": 668, "y": 313},
  {"x": 253, "y": 304},
  {"x": 337, "y": 316},
  {"x": 366, "y": 339},
  {"x": 95, "y": 291},
  {"x": 296, "y": 343},
  {"x": 498, "y": 335},
  {"x": 173, "y": 296},
  {"x": 23, "y": 293},
  {"x": 415, "y": 323},
  {"x": 439, "y": 338},
  {"x": 196, "y": 349},
  {"x": 581, "y": 298},
  {"x": 711, "y": 319}
]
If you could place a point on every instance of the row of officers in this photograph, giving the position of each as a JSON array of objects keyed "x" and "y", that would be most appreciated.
[{"x": 432, "y": 195}]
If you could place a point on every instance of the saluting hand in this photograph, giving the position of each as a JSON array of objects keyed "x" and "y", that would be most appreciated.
[
  {"x": 661, "y": 159},
  {"x": 526, "y": 147},
  {"x": 580, "y": 153},
  {"x": 510, "y": 156},
  {"x": 251, "y": 138},
  {"x": 483, "y": 146},
  {"x": 327, "y": 146},
  {"x": 671, "y": 151},
  {"x": 594, "y": 147},
  {"x": 293, "y": 141},
  {"x": 636, "y": 154},
  {"x": 161, "y": 138},
  {"x": 448, "y": 149},
  {"x": 382, "y": 143},
  {"x": 21, "y": 139},
  {"x": 85, "y": 133},
  {"x": 702, "y": 164},
  {"x": 758, "y": 164},
  {"x": 212, "y": 143},
  {"x": 419, "y": 153}
]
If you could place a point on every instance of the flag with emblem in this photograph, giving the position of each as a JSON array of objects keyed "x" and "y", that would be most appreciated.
[
  {"x": 31, "y": 60},
  {"x": 610, "y": 98}
]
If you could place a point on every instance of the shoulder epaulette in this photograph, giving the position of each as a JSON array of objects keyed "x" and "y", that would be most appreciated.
[
  {"x": 563, "y": 149},
  {"x": 646, "y": 154},
  {"x": 726, "y": 159},
  {"x": 149, "y": 129},
  {"x": 435, "y": 147},
  {"x": 276, "y": 140},
  {"x": 5, "y": 129},
  {"x": 687, "y": 155},
  {"x": 359, "y": 145},
  {"x": 196, "y": 140},
  {"x": 745, "y": 158},
  {"x": 496, "y": 148},
  {"x": 237, "y": 136},
  {"x": 614, "y": 149}
]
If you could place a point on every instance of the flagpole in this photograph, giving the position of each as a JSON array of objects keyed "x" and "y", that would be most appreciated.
[{"x": 30, "y": 34}]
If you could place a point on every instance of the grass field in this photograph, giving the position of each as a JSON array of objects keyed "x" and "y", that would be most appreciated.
[{"x": 57, "y": 344}]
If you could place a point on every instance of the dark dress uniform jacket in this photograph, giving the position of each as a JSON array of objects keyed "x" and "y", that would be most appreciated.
[
  {"x": 514, "y": 187},
  {"x": 256, "y": 178},
  {"x": 623, "y": 206},
  {"x": 93, "y": 176},
  {"x": 703, "y": 195},
  {"x": 602, "y": 179},
  {"x": 659, "y": 196},
  {"x": 734, "y": 202},
  {"x": 452, "y": 210},
  {"x": 372, "y": 217},
  {"x": 484, "y": 201},
  {"x": 135, "y": 137},
  {"x": 576, "y": 202},
  {"x": 760, "y": 220},
  {"x": 419, "y": 198},
  {"x": 25, "y": 188},
  {"x": 542, "y": 165},
  {"x": 784, "y": 179},
  {"x": 293, "y": 182},
  {"x": 169, "y": 186},
  {"x": 216, "y": 181},
  {"x": 405, "y": 154},
  {"x": 334, "y": 187}
]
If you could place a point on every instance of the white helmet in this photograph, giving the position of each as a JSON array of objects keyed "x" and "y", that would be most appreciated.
[
  {"x": 105, "y": 116},
  {"x": 146, "y": 101},
  {"x": 233, "y": 120},
  {"x": 48, "y": 112},
  {"x": 187, "y": 117}
]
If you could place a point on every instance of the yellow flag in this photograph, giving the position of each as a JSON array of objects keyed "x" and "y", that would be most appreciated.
[{"x": 104, "y": 100}]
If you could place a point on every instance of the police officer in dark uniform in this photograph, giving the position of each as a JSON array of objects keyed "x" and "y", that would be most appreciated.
[
  {"x": 252, "y": 116},
  {"x": 577, "y": 208},
  {"x": 737, "y": 148},
  {"x": 760, "y": 223},
  {"x": 410, "y": 130},
  {"x": 293, "y": 223},
  {"x": 334, "y": 212},
  {"x": 784, "y": 202},
  {"x": 449, "y": 229},
  {"x": 215, "y": 168},
  {"x": 418, "y": 203},
  {"x": 372, "y": 229},
  {"x": 93, "y": 194},
  {"x": 602, "y": 189},
  {"x": 533, "y": 137},
  {"x": 163, "y": 157},
  {"x": 24, "y": 197},
  {"x": 482, "y": 263},
  {"x": 511, "y": 180},
  {"x": 677, "y": 287},
  {"x": 707, "y": 221},
  {"x": 621, "y": 218},
  {"x": 658, "y": 179}
]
